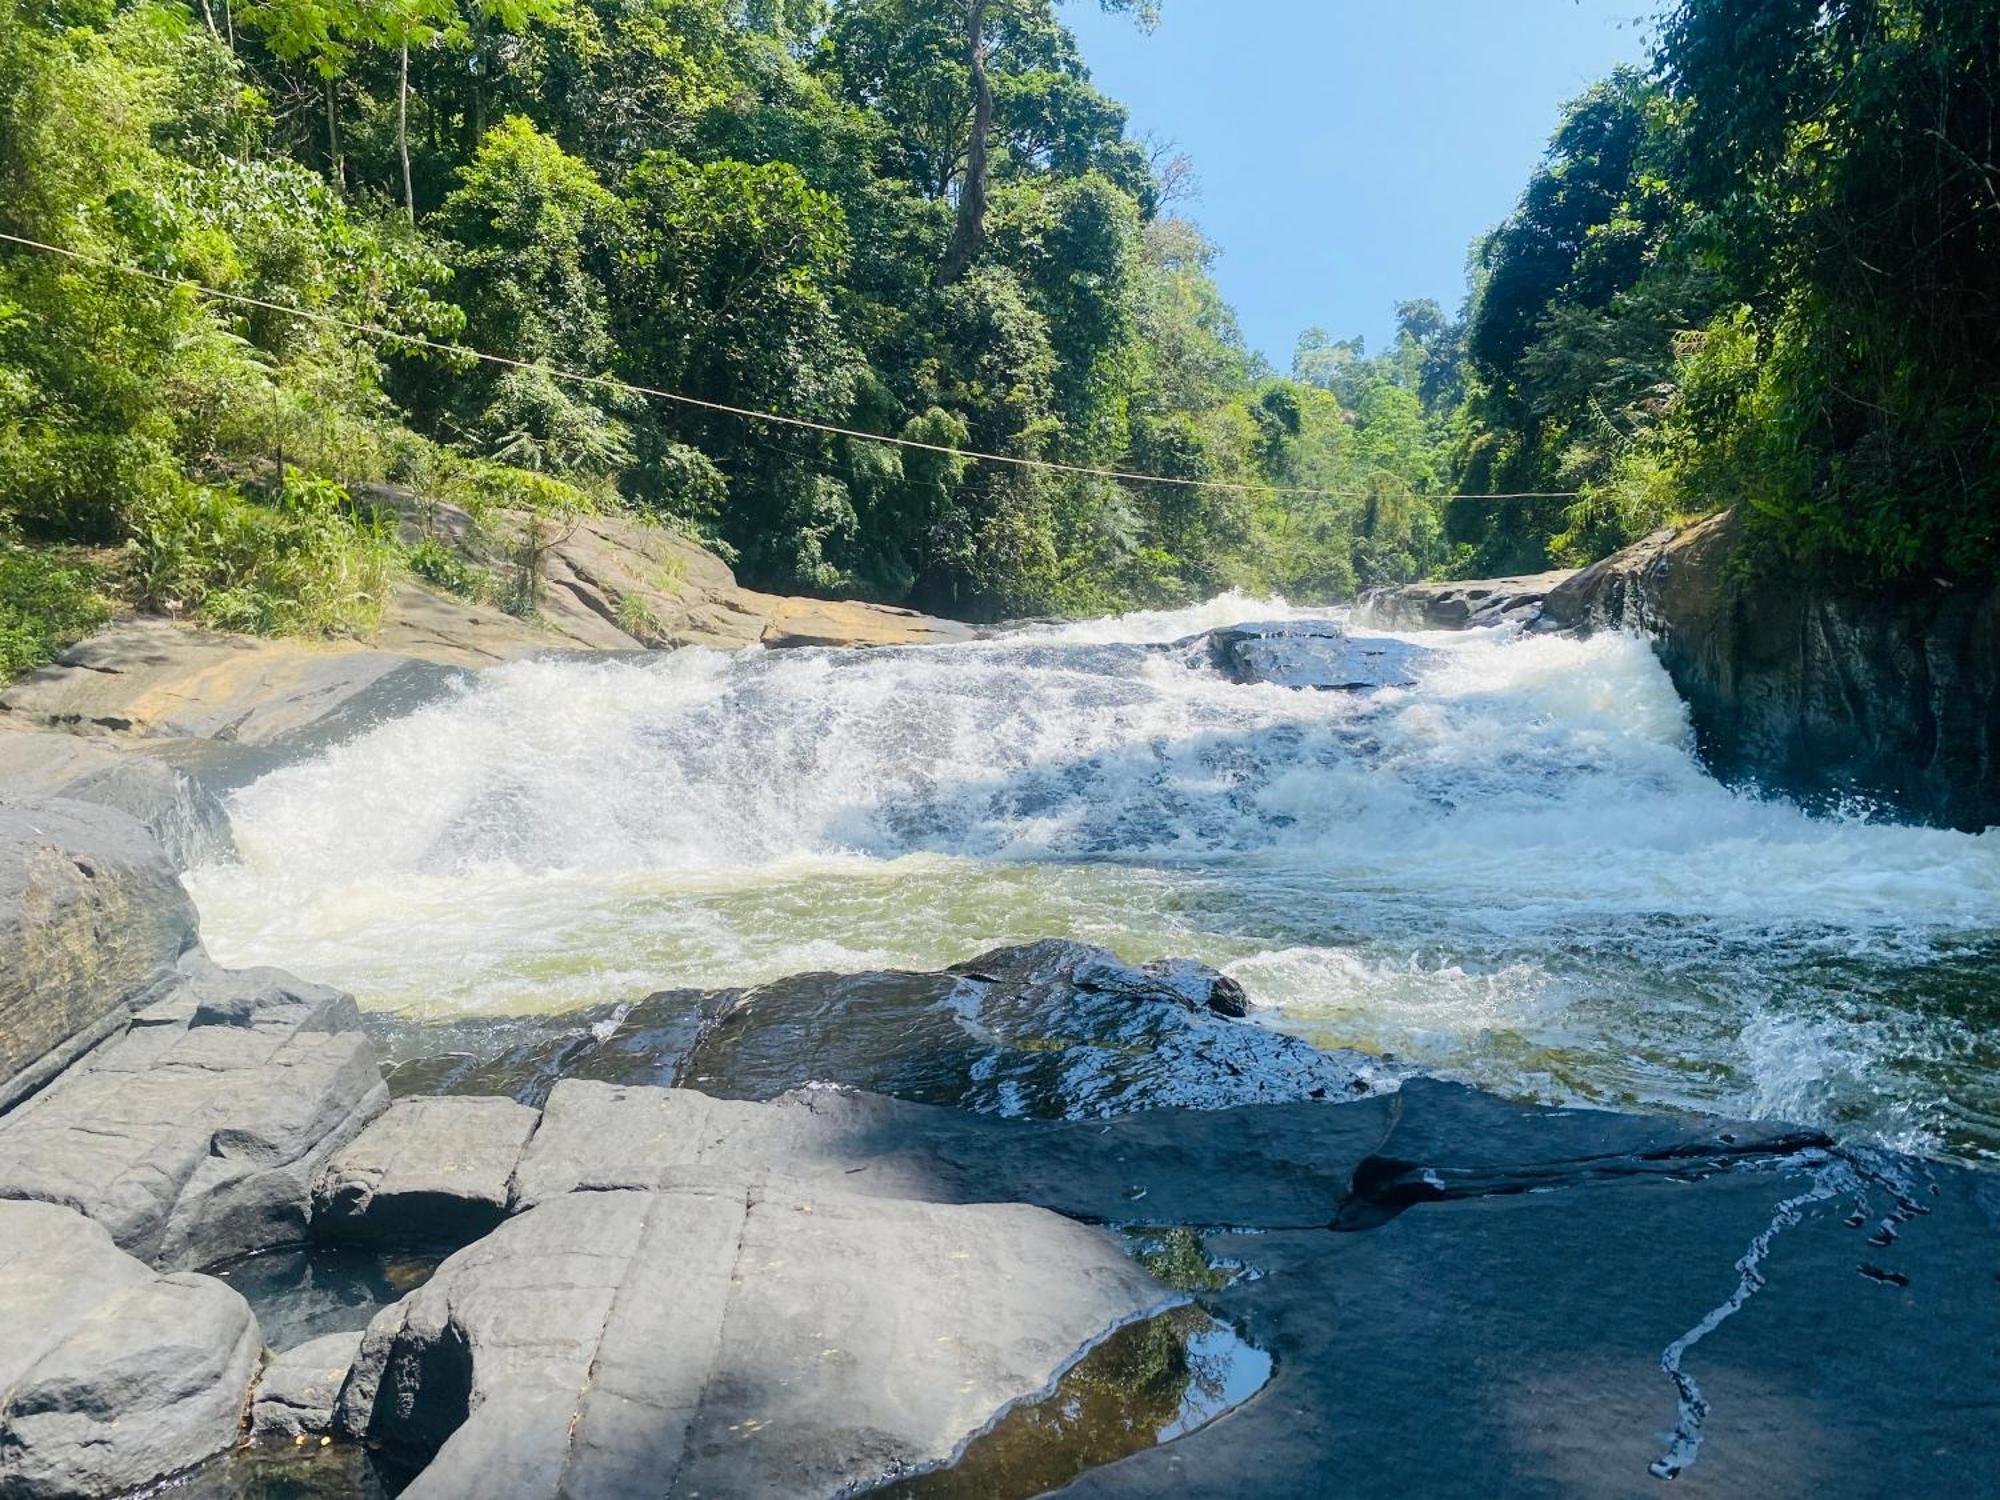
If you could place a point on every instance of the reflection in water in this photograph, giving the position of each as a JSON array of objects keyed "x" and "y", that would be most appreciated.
[
  {"x": 303, "y": 1294},
  {"x": 1147, "y": 1384},
  {"x": 311, "y": 1470}
]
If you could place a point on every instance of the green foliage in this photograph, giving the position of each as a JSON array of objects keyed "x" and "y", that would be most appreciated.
[
  {"x": 302, "y": 562},
  {"x": 46, "y": 602},
  {"x": 443, "y": 566}
]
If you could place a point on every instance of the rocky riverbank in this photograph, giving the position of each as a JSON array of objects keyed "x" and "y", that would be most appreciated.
[
  {"x": 1886, "y": 700},
  {"x": 847, "y": 1231}
]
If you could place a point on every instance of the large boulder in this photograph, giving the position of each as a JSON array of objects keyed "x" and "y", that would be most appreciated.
[
  {"x": 93, "y": 924},
  {"x": 199, "y": 1133},
  {"x": 1049, "y": 1030},
  {"x": 111, "y": 1375},
  {"x": 1314, "y": 654},
  {"x": 729, "y": 1338},
  {"x": 1891, "y": 697},
  {"x": 184, "y": 816}
]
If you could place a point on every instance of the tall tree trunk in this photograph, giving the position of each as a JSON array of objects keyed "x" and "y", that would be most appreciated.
[
  {"x": 403, "y": 129},
  {"x": 229, "y": 23},
  {"x": 209, "y": 16},
  {"x": 968, "y": 236},
  {"x": 335, "y": 168}
]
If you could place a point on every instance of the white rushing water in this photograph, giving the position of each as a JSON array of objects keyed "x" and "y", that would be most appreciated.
[{"x": 1515, "y": 872}]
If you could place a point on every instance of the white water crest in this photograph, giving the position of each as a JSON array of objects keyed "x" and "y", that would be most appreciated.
[{"x": 1515, "y": 872}]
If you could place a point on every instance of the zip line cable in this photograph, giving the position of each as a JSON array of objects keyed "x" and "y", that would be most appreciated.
[{"x": 606, "y": 382}]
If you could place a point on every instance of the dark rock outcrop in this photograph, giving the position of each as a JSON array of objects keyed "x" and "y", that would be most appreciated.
[
  {"x": 1049, "y": 1030},
  {"x": 92, "y": 926},
  {"x": 726, "y": 1338},
  {"x": 1309, "y": 654},
  {"x": 1468, "y": 605},
  {"x": 111, "y": 1375},
  {"x": 1892, "y": 697}
]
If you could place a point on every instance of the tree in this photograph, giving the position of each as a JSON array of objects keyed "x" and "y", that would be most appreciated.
[{"x": 968, "y": 237}]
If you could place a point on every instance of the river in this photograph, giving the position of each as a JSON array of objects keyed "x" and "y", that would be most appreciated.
[{"x": 1514, "y": 873}]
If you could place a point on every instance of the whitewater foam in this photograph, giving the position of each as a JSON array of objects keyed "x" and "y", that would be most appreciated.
[{"x": 1516, "y": 871}]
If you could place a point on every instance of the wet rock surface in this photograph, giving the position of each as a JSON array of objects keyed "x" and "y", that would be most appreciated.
[
  {"x": 1309, "y": 654},
  {"x": 1049, "y": 1030},
  {"x": 1469, "y": 605},
  {"x": 1890, "y": 697},
  {"x": 111, "y": 1375}
]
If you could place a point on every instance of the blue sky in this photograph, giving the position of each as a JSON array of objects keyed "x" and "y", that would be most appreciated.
[{"x": 1350, "y": 150}]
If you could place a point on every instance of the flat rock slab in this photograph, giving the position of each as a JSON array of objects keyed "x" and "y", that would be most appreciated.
[
  {"x": 198, "y": 1134},
  {"x": 1050, "y": 1030},
  {"x": 110, "y": 1375},
  {"x": 435, "y": 1168},
  {"x": 1310, "y": 654},
  {"x": 301, "y": 1387},
  {"x": 1511, "y": 1346},
  {"x": 710, "y": 1339},
  {"x": 93, "y": 924}
]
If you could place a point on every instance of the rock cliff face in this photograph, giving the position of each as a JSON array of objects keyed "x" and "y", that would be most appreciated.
[{"x": 1893, "y": 698}]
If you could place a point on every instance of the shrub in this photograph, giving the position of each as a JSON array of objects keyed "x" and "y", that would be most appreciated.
[
  {"x": 303, "y": 562},
  {"x": 45, "y": 604}
]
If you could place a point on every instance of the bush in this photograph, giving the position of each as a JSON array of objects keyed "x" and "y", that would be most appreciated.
[
  {"x": 436, "y": 563},
  {"x": 45, "y": 604},
  {"x": 305, "y": 562}
]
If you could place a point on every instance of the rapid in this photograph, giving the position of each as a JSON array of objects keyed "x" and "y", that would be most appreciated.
[{"x": 1514, "y": 873}]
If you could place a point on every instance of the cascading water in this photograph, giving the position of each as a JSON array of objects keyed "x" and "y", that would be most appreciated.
[{"x": 1514, "y": 872}]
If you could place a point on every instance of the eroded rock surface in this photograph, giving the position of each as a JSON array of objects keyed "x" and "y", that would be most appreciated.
[
  {"x": 1048, "y": 1030},
  {"x": 436, "y": 1168},
  {"x": 300, "y": 1388},
  {"x": 708, "y": 1339},
  {"x": 111, "y": 1375},
  {"x": 92, "y": 927},
  {"x": 1891, "y": 697}
]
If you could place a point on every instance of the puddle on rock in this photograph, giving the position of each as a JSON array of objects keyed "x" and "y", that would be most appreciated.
[
  {"x": 282, "y": 1471},
  {"x": 306, "y": 1293},
  {"x": 1147, "y": 1384}
]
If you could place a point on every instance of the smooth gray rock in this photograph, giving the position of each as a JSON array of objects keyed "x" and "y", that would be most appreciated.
[
  {"x": 110, "y": 1375},
  {"x": 198, "y": 1134},
  {"x": 182, "y": 814},
  {"x": 428, "y": 1170},
  {"x": 301, "y": 1387},
  {"x": 92, "y": 925},
  {"x": 1310, "y": 654},
  {"x": 722, "y": 1338},
  {"x": 1263, "y": 1166},
  {"x": 1049, "y": 1030}
]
